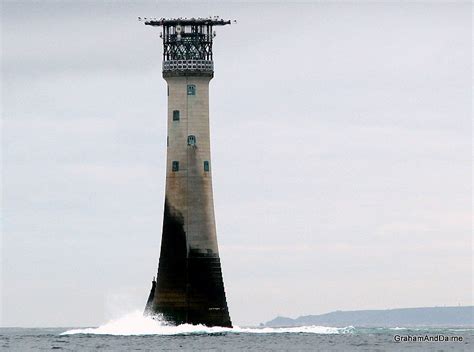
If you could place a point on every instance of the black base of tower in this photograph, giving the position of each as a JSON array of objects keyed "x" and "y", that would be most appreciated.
[{"x": 189, "y": 287}]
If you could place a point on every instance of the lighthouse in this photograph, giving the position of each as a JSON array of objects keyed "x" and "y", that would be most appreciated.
[{"x": 189, "y": 287}]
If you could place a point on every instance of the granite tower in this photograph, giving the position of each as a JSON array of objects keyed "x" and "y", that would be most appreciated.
[{"x": 189, "y": 287}]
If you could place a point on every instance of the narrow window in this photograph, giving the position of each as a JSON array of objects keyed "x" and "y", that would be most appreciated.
[
  {"x": 206, "y": 166},
  {"x": 175, "y": 166},
  {"x": 167, "y": 141},
  {"x": 175, "y": 115},
  {"x": 191, "y": 89},
  {"x": 192, "y": 140}
]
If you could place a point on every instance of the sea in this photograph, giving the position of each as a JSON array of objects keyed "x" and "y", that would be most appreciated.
[{"x": 133, "y": 332}]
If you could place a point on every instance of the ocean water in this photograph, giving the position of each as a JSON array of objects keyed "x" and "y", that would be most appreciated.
[{"x": 133, "y": 332}]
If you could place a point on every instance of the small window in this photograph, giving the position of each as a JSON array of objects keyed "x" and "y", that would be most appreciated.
[
  {"x": 192, "y": 140},
  {"x": 175, "y": 115},
  {"x": 167, "y": 141},
  {"x": 175, "y": 166},
  {"x": 191, "y": 89},
  {"x": 206, "y": 166}
]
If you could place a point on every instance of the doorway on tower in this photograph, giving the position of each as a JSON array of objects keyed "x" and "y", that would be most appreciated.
[
  {"x": 191, "y": 89},
  {"x": 175, "y": 115},
  {"x": 175, "y": 166},
  {"x": 192, "y": 140}
]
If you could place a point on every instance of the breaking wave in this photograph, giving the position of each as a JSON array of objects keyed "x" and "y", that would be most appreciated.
[{"x": 136, "y": 324}]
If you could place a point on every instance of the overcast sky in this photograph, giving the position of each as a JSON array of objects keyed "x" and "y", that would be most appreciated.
[{"x": 341, "y": 145}]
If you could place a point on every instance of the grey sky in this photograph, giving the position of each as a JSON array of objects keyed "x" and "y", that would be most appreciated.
[{"x": 341, "y": 138}]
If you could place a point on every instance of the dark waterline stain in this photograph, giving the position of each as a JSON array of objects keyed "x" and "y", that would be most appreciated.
[{"x": 189, "y": 286}]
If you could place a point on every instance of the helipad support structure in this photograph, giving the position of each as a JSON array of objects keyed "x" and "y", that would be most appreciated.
[{"x": 189, "y": 287}]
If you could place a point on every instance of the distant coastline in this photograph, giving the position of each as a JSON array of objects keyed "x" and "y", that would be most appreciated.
[{"x": 461, "y": 316}]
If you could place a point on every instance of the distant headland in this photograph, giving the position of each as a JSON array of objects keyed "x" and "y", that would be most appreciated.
[{"x": 461, "y": 316}]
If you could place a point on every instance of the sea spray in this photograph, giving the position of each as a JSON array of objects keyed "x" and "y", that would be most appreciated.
[{"x": 136, "y": 324}]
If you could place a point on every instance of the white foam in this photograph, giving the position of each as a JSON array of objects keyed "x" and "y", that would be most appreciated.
[{"x": 136, "y": 324}]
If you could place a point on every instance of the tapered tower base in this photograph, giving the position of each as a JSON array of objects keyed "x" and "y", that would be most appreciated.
[{"x": 189, "y": 288}]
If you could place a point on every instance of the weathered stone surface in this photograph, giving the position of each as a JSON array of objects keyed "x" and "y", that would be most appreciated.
[{"x": 189, "y": 286}]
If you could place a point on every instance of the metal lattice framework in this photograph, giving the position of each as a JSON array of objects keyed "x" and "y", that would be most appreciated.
[{"x": 187, "y": 44}]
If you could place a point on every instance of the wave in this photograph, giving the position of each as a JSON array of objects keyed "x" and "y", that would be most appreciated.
[{"x": 136, "y": 324}]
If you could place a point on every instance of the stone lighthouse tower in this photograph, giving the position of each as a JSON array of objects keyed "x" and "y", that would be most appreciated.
[{"x": 189, "y": 287}]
